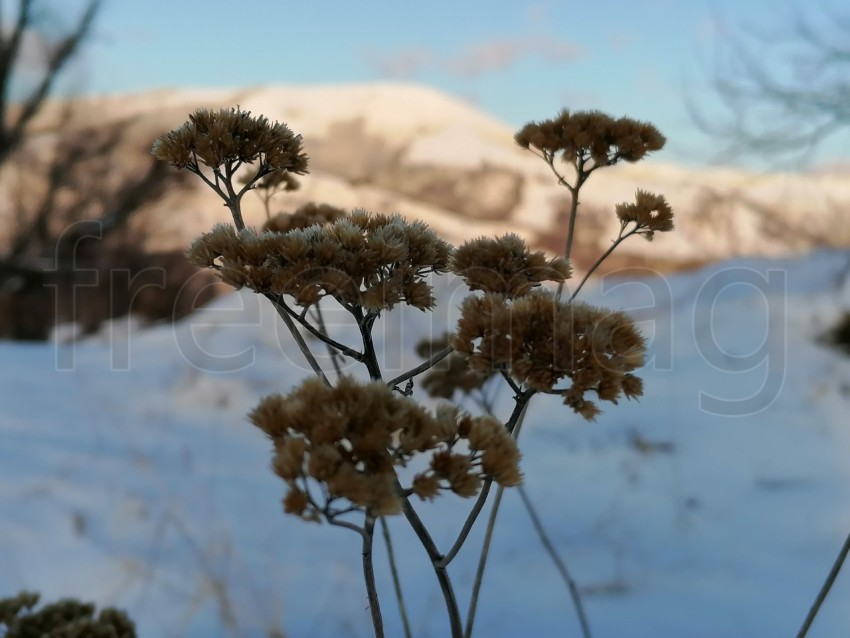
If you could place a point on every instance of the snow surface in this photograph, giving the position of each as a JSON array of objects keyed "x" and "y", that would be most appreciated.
[{"x": 129, "y": 476}]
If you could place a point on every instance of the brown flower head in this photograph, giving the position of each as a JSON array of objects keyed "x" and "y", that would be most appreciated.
[
  {"x": 590, "y": 135},
  {"x": 274, "y": 182},
  {"x": 304, "y": 216},
  {"x": 352, "y": 437},
  {"x": 375, "y": 261},
  {"x": 451, "y": 374},
  {"x": 231, "y": 136},
  {"x": 650, "y": 213},
  {"x": 505, "y": 265},
  {"x": 541, "y": 341}
]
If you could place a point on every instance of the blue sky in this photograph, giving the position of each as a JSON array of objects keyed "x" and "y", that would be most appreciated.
[{"x": 516, "y": 60}]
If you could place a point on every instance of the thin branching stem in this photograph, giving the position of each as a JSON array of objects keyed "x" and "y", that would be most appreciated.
[
  {"x": 333, "y": 353},
  {"x": 514, "y": 426},
  {"x": 434, "y": 554},
  {"x": 422, "y": 367},
  {"x": 402, "y": 608},
  {"x": 299, "y": 339},
  {"x": 522, "y": 400},
  {"x": 619, "y": 240},
  {"x": 824, "y": 590},
  {"x": 556, "y": 558},
  {"x": 467, "y": 525},
  {"x": 369, "y": 576},
  {"x": 370, "y": 357},
  {"x": 482, "y": 563},
  {"x": 232, "y": 200},
  {"x": 319, "y": 334}
]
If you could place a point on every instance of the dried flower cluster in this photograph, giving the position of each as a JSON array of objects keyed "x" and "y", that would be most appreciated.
[
  {"x": 277, "y": 181},
  {"x": 373, "y": 261},
  {"x": 540, "y": 340},
  {"x": 580, "y": 135},
  {"x": 215, "y": 138},
  {"x": 66, "y": 618},
  {"x": 350, "y": 438},
  {"x": 451, "y": 374},
  {"x": 505, "y": 265},
  {"x": 650, "y": 213},
  {"x": 304, "y": 216}
]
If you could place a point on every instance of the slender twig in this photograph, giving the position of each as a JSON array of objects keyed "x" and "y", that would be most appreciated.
[
  {"x": 299, "y": 339},
  {"x": 422, "y": 367},
  {"x": 370, "y": 357},
  {"x": 369, "y": 576},
  {"x": 334, "y": 354},
  {"x": 559, "y": 563},
  {"x": 510, "y": 381},
  {"x": 522, "y": 400},
  {"x": 467, "y": 525},
  {"x": 442, "y": 575},
  {"x": 482, "y": 563},
  {"x": 620, "y": 239},
  {"x": 516, "y": 421},
  {"x": 232, "y": 200},
  {"x": 319, "y": 334},
  {"x": 402, "y": 608},
  {"x": 827, "y": 585}
]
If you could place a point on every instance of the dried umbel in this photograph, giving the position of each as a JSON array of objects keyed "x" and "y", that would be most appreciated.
[
  {"x": 371, "y": 261},
  {"x": 352, "y": 437},
  {"x": 66, "y": 618},
  {"x": 450, "y": 375},
  {"x": 540, "y": 341},
  {"x": 581, "y": 135},
  {"x": 229, "y": 137},
  {"x": 304, "y": 216},
  {"x": 505, "y": 265},
  {"x": 274, "y": 182},
  {"x": 650, "y": 213}
]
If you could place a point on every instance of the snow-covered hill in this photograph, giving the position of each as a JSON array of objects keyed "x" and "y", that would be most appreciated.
[
  {"x": 411, "y": 149},
  {"x": 712, "y": 508}
]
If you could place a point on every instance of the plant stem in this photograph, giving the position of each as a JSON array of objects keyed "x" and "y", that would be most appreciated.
[
  {"x": 620, "y": 239},
  {"x": 467, "y": 525},
  {"x": 402, "y": 608},
  {"x": 369, "y": 576},
  {"x": 571, "y": 228},
  {"x": 370, "y": 357},
  {"x": 441, "y": 573},
  {"x": 559, "y": 564},
  {"x": 827, "y": 585},
  {"x": 514, "y": 426},
  {"x": 302, "y": 345},
  {"x": 482, "y": 563},
  {"x": 522, "y": 400},
  {"x": 422, "y": 367},
  {"x": 333, "y": 354},
  {"x": 320, "y": 334}
]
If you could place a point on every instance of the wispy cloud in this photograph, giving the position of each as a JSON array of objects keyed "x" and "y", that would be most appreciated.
[
  {"x": 479, "y": 58},
  {"x": 403, "y": 64}
]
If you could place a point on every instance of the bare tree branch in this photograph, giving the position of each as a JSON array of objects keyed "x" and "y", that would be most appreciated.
[
  {"x": 67, "y": 47},
  {"x": 783, "y": 93}
]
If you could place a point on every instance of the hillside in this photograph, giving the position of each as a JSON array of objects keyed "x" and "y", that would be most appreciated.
[{"x": 411, "y": 149}]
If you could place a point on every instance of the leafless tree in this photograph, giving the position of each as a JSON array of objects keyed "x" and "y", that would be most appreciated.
[
  {"x": 783, "y": 88},
  {"x": 58, "y": 52},
  {"x": 65, "y": 252}
]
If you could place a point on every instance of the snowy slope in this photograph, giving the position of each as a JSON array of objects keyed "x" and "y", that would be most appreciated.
[
  {"x": 405, "y": 147},
  {"x": 129, "y": 475}
]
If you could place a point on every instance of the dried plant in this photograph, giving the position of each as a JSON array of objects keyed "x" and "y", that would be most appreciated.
[
  {"x": 64, "y": 618},
  {"x": 345, "y": 447}
]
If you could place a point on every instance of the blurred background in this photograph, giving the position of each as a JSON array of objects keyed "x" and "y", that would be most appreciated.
[
  {"x": 127, "y": 473},
  {"x": 407, "y": 108}
]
